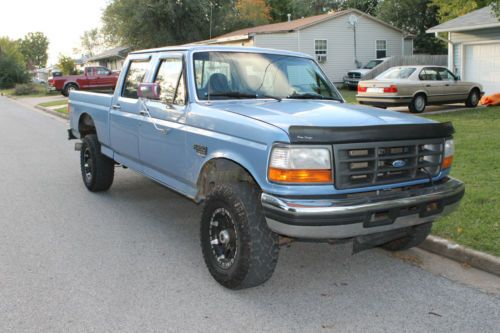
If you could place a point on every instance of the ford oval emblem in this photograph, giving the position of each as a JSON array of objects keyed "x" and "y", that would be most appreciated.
[{"x": 398, "y": 163}]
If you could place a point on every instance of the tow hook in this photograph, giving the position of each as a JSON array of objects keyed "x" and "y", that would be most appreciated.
[{"x": 78, "y": 146}]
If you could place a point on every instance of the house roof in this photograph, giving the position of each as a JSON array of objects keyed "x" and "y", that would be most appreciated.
[
  {"x": 302, "y": 24},
  {"x": 117, "y": 52},
  {"x": 478, "y": 19}
]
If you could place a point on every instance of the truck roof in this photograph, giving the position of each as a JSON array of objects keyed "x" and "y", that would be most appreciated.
[{"x": 197, "y": 48}]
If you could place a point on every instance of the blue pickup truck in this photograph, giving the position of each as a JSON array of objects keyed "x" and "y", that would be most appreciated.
[{"x": 270, "y": 148}]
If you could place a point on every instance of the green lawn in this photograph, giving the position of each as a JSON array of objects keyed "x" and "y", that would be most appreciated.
[
  {"x": 349, "y": 95},
  {"x": 477, "y": 162},
  {"x": 63, "y": 109},
  {"x": 41, "y": 90},
  {"x": 55, "y": 103}
]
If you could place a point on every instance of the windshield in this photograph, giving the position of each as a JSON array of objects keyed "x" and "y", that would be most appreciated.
[
  {"x": 397, "y": 73},
  {"x": 372, "y": 64},
  {"x": 230, "y": 75}
]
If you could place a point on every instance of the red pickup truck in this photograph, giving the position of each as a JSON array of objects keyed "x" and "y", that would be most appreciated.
[{"x": 93, "y": 78}]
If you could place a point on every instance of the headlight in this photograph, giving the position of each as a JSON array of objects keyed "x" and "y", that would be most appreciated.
[
  {"x": 302, "y": 164},
  {"x": 449, "y": 151}
]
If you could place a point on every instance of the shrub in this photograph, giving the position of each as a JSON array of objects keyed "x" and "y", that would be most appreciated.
[
  {"x": 12, "y": 66},
  {"x": 24, "y": 89}
]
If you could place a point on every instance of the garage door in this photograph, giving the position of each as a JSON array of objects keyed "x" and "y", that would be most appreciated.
[{"x": 482, "y": 64}]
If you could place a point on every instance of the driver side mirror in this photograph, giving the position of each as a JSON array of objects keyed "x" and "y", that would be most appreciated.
[{"x": 149, "y": 91}]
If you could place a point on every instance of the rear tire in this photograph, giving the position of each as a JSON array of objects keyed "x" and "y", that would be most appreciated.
[
  {"x": 473, "y": 98},
  {"x": 418, "y": 104},
  {"x": 416, "y": 235},
  {"x": 239, "y": 249},
  {"x": 98, "y": 170},
  {"x": 68, "y": 88}
]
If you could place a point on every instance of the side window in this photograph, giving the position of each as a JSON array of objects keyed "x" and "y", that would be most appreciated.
[
  {"x": 381, "y": 48},
  {"x": 170, "y": 77},
  {"x": 428, "y": 74},
  {"x": 321, "y": 50},
  {"x": 135, "y": 75},
  {"x": 445, "y": 74},
  {"x": 102, "y": 71},
  {"x": 90, "y": 71}
]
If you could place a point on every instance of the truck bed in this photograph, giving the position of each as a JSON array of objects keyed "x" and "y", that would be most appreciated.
[{"x": 97, "y": 105}]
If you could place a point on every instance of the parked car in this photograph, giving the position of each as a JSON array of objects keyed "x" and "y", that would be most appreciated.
[
  {"x": 265, "y": 141},
  {"x": 352, "y": 78},
  {"x": 92, "y": 78},
  {"x": 416, "y": 87}
]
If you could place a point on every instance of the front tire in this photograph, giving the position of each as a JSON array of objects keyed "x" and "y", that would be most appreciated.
[
  {"x": 239, "y": 249},
  {"x": 97, "y": 169},
  {"x": 473, "y": 99},
  {"x": 418, "y": 104},
  {"x": 416, "y": 235}
]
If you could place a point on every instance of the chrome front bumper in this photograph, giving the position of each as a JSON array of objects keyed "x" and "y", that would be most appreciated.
[{"x": 355, "y": 215}]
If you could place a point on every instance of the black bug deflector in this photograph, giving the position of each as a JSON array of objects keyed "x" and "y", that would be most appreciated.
[{"x": 314, "y": 134}]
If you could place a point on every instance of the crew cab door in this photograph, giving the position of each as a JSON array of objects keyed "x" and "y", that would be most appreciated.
[
  {"x": 125, "y": 113},
  {"x": 90, "y": 77},
  {"x": 162, "y": 142}
]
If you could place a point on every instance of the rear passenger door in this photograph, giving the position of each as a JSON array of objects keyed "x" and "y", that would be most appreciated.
[
  {"x": 162, "y": 136},
  {"x": 125, "y": 113}
]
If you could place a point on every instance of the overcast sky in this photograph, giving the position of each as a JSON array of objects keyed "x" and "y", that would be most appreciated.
[{"x": 62, "y": 21}]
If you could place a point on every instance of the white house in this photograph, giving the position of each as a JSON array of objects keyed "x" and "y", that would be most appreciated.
[
  {"x": 474, "y": 47},
  {"x": 112, "y": 59},
  {"x": 336, "y": 39}
]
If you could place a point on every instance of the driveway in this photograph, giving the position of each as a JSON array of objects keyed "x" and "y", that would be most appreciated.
[{"x": 129, "y": 260}]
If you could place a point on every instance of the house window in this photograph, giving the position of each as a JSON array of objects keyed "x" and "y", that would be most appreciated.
[
  {"x": 320, "y": 49},
  {"x": 381, "y": 46}
]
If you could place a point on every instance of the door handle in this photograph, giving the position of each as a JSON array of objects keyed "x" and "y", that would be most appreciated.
[
  {"x": 447, "y": 85},
  {"x": 144, "y": 113},
  {"x": 427, "y": 85},
  {"x": 116, "y": 107}
]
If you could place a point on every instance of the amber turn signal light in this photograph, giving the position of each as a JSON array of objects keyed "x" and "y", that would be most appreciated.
[
  {"x": 447, "y": 161},
  {"x": 300, "y": 176}
]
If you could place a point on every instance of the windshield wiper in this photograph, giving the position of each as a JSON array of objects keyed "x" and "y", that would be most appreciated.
[
  {"x": 311, "y": 95},
  {"x": 237, "y": 94},
  {"x": 233, "y": 94}
]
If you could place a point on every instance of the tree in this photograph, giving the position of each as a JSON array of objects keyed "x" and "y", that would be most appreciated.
[
  {"x": 93, "y": 42},
  {"x": 67, "y": 65},
  {"x": 253, "y": 12},
  {"x": 12, "y": 65},
  {"x": 34, "y": 48},
  {"x": 146, "y": 23},
  {"x": 415, "y": 17},
  {"x": 367, "y": 6},
  {"x": 450, "y": 9}
]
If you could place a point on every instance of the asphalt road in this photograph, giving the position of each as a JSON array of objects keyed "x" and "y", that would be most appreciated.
[{"x": 129, "y": 260}]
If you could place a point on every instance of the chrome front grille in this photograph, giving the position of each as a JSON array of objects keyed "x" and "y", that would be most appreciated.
[
  {"x": 353, "y": 75},
  {"x": 378, "y": 163}
]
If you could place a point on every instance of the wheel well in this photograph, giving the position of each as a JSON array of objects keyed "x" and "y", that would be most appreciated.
[
  {"x": 86, "y": 125},
  {"x": 421, "y": 93},
  {"x": 220, "y": 170},
  {"x": 476, "y": 89},
  {"x": 71, "y": 83}
]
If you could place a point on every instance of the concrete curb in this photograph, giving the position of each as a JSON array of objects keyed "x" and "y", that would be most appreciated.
[
  {"x": 483, "y": 261},
  {"x": 52, "y": 112}
]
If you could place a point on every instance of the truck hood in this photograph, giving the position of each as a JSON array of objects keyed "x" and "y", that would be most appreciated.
[
  {"x": 317, "y": 113},
  {"x": 360, "y": 71}
]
